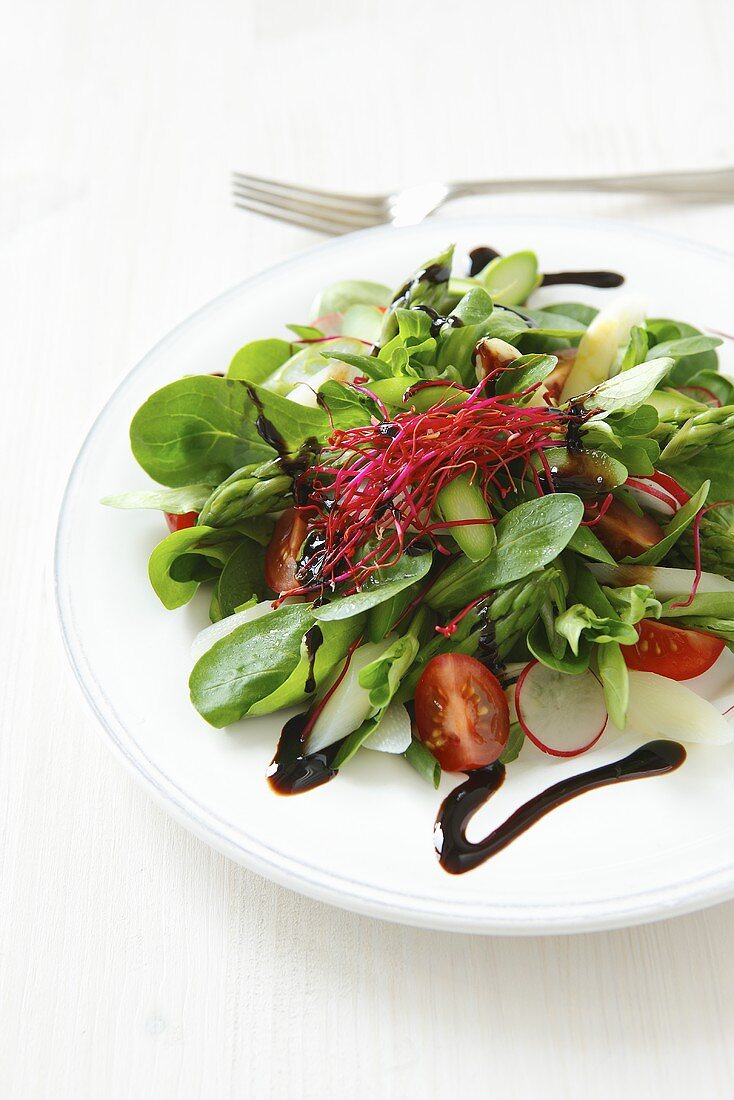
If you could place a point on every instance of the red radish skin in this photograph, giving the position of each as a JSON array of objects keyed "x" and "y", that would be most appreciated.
[
  {"x": 533, "y": 736},
  {"x": 670, "y": 486},
  {"x": 651, "y": 497},
  {"x": 330, "y": 324}
]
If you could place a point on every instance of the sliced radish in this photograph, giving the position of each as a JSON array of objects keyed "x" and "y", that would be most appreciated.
[
  {"x": 348, "y": 705},
  {"x": 665, "y": 582},
  {"x": 670, "y": 486},
  {"x": 563, "y": 715},
  {"x": 393, "y": 733},
  {"x": 651, "y": 497},
  {"x": 659, "y": 707},
  {"x": 330, "y": 324}
]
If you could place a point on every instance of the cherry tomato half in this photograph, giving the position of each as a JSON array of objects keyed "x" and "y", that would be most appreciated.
[
  {"x": 672, "y": 651},
  {"x": 180, "y": 523},
  {"x": 461, "y": 712},
  {"x": 622, "y": 532},
  {"x": 282, "y": 553}
]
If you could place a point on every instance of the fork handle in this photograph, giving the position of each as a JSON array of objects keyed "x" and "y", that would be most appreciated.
[{"x": 709, "y": 184}]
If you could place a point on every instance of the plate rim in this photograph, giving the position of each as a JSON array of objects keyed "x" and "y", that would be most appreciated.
[{"x": 470, "y": 917}]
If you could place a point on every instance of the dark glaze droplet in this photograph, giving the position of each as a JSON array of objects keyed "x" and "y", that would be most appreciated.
[
  {"x": 434, "y": 273},
  {"x": 480, "y": 257},
  {"x": 293, "y": 771},
  {"x": 605, "y": 280},
  {"x": 313, "y": 639},
  {"x": 457, "y": 854},
  {"x": 289, "y": 463},
  {"x": 529, "y": 321},
  {"x": 438, "y": 322}
]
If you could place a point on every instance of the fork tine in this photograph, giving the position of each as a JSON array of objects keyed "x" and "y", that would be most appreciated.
[
  {"x": 306, "y": 221},
  {"x": 362, "y": 203},
  {"x": 349, "y": 219}
]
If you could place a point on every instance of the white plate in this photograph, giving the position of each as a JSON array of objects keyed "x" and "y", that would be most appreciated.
[{"x": 618, "y": 856}]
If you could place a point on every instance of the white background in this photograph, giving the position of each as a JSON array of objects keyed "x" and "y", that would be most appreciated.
[{"x": 135, "y": 962}]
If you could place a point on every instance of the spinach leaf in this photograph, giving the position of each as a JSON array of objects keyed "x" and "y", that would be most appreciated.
[
  {"x": 242, "y": 578},
  {"x": 258, "y": 360},
  {"x": 528, "y": 537},
  {"x": 426, "y": 286},
  {"x": 381, "y": 585},
  {"x": 687, "y": 345},
  {"x": 585, "y": 542},
  {"x": 262, "y": 666},
  {"x": 718, "y": 384},
  {"x": 198, "y": 429},
  {"x": 189, "y": 498},
  {"x": 181, "y": 561},
  {"x": 337, "y": 638},
  {"x": 577, "y": 310},
  {"x": 348, "y": 407}
]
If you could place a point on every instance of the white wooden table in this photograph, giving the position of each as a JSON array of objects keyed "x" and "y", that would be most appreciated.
[{"x": 134, "y": 961}]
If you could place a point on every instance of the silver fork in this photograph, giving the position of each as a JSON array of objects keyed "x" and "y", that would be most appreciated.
[{"x": 335, "y": 212}]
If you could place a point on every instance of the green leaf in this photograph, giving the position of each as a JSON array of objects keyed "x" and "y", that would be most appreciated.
[
  {"x": 260, "y": 666},
  {"x": 688, "y": 345},
  {"x": 306, "y": 332},
  {"x": 338, "y": 297},
  {"x": 715, "y": 605},
  {"x": 712, "y": 465},
  {"x": 515, "y": 742},
  {"x": 337, "y": 638},
  {"x": 636, "y": 350},
  {"x": 579, "y": 620},
  {"x": 682, "y": 519},
  {"x": 615, "y": 681},
  {"x": 242, "y": 578},
  {"x": 181, "y": 561},
  {"x": 258, "y": 360},
  {"x": 524, "y": 373},
  {"x": 585, "y": 542},
  {"x": 634, "y": 603},
  {"x": 198, "y": 429},
  {"x": 628, "y": 390},
  {"x": 381, "y": 585},
  {"x": 721, "y": 387},
  {"x": 188, "y": 498},
  {"x": 348, "y": 407},
  {"x": 528, "y": 537},
  {"x": 578, "y": 311},
  {"x": 569, "y": 662}
]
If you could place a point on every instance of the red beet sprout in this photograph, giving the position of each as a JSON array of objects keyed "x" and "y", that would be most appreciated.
[{"x": 372, "y": 494}]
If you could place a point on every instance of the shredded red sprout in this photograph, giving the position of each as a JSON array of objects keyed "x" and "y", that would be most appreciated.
[
  {"x": 373, "y": 491},
  {"x": 697, "y": 550}
]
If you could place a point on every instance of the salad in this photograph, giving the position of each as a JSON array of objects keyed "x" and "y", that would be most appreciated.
[{"x": 443, "y": 520}]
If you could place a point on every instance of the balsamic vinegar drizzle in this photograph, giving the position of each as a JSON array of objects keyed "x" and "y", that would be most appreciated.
[
  {"x": 312, "y": 639},
  {"x": 457, "y": 854},
  {"x": 480, "y": 257},
  {"x": 293, "y": 771},
  {"x": 605, "y": 280}
]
